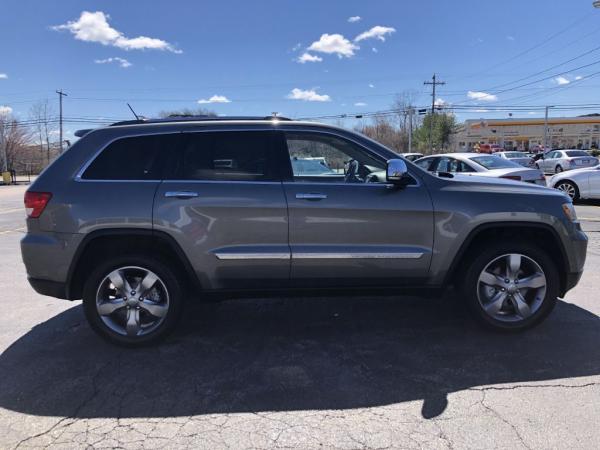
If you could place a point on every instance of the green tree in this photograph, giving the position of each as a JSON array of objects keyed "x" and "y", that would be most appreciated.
[{"x": 444, "y": 125}]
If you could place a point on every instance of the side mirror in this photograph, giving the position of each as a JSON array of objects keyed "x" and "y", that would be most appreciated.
[{"x": 396, "y": 171}]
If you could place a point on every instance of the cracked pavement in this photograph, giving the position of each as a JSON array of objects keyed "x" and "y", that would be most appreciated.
[{"x": 340, "y": 373}]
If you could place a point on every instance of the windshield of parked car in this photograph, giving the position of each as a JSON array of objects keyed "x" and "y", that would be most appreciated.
[
  {"x": 573, "y": 153},
  {"x": 515, "y": 155},
  {"x": 493, "y": 162},
  {"x": 311, "y": 167}
]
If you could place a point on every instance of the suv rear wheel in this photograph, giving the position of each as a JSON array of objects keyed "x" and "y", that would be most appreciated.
[
  {"x": 132, "y": 300},
  {"x": 511, "y": 286}
]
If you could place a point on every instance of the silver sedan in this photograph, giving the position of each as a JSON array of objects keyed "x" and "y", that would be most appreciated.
[
  {"x": 481, "y": 165},
  {"x": 557, "y": 161},
  {"x": 521, "y": 158},
  {"x": 579, "y": 183}
]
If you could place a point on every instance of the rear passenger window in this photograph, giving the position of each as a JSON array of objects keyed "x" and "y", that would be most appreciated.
[
  {"x": 132, "y": 158},
  {"x": 227, "y": 155}
]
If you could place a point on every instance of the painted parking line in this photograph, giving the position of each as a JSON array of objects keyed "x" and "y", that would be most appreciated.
[
  {"x": 6, "y": 211},
  {"x": 15, "y": 230}
]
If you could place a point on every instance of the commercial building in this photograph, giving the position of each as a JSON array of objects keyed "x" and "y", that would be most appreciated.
[{"x": 524, "y": 134}]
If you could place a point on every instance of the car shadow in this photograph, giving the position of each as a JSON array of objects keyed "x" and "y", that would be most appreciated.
[{"x": 290, "y": 354}]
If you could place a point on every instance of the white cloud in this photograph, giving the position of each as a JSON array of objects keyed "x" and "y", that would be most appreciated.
[
  {"x": 577, "y": 78},
  {"x": 561, "y": 80},
  {"x": 309, "y": 95},
  {"x": 482, "y": 96},
  {"x": 3, "y": 76},
  {"x": 377, "y": 32},
  {"x": 371, "y": 85},
  {"x": 121, "y": 61},
  {"x": 440, "y": 102},
  {"x": 94, "y": 27},
  {"x": 214, "y": 99},
  {"x": 354, "y": 19},
  {"x": 5, "y": 110},
  {"x": 360, "y": 104},
  {"x": 510, "y": 38},
  {"x": 482, "y": 110},
  {"x": 532, "y": 113},
  {"x": 334, "y": 44},
  {"x": 297, "y": 47},
  {"x": 374, "y": 50},
  {"x": 307, "y": 57}
]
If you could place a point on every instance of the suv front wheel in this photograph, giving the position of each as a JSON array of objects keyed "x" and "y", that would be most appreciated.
[
  {"x": 132, "y": 300},
  {"x": 511, "y": 286}
]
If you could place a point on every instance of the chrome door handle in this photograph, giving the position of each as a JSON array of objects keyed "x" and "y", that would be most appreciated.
[
  {"x": 311, "y": 196},
  {"x": 181, "y": 194}
]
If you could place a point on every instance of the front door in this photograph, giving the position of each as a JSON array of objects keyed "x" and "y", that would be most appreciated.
[
  {"x": 347, "y": 226},
  {"x": 224, "y": 204}
]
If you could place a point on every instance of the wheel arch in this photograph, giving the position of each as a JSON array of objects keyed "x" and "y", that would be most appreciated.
[
  {"x": 541, "y": 234},
  {"x": 119, "y": 241}
]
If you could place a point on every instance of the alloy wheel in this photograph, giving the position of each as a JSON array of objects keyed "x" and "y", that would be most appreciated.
[
  {"x": 511, "y": 288},
  {"x": 568, "y": 189},
  {"x": 132, "y": 301}
]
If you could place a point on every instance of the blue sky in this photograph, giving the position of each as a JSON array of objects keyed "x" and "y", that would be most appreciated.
[{"x": 243, "y": 57}]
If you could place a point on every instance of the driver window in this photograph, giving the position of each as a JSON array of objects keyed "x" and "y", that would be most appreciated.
[{"x": 326, "y": 158}]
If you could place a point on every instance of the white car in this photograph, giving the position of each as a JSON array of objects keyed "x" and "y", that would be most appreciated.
[
  {"x": 481, "y": 165},
  {"x": 521, "y": 158},
  {"x": 578, "y": 183},
  {"x": 558, "y": 161}
]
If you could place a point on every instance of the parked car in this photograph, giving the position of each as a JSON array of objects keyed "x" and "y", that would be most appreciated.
[
  {"x": 520, "y": 158},
  {"x": 139, "y": 217},
  {"x": 480, "y": 165},
  {"x": 578, "y": 183},
  {"x": 313, "y": 167},
  {"x": 558, "y": 161},
  {"x": 411, "y": 156}
]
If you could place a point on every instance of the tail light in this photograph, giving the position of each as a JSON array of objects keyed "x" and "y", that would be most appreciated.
[
  {"x": 35, "y": 202},
  {"x": 512, "y": 177}
]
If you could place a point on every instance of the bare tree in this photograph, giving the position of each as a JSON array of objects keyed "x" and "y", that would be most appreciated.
[
  {"x": 13, "y": 139},
  {"x": 45, "y": 126},
  {"x": 187, "y": 112}
]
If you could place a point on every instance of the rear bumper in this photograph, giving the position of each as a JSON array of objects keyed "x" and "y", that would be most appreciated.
[{"x": 49, "y": 287}]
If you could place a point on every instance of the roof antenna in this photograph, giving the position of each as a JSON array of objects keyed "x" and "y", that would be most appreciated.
[{"x": 136, "y": 116}]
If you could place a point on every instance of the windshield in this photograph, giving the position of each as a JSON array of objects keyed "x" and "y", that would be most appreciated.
[
  {"x": 515, "y": 155},
  {"x": 572, "y": 153},
  {"x": 311, "y": 167},
  {"x": 493, "y": 162}
]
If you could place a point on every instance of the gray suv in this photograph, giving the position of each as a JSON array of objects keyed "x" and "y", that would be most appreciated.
[{"x": 138, "y": 217}]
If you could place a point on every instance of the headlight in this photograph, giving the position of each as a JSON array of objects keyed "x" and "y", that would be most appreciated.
[{"x": 569, "y": 211}]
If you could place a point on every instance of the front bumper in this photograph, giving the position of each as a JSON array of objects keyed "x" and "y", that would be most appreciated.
[{"x": 48, "y": 287}]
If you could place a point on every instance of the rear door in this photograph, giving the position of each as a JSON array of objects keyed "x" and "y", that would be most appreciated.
[
  {"x": 224, "y": 204},
  {"x": 348, "y": 232}
]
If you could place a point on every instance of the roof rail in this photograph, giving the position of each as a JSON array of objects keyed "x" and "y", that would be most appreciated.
[{"x": 192, "y": 118}]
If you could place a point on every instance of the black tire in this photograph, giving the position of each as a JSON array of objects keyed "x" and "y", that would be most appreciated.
[
  {"x": 558, "y": 169},
  {"x": 167, "y": 276},
  {"x": 575, "y": 197},
  {"x": 486, "y": 254}
]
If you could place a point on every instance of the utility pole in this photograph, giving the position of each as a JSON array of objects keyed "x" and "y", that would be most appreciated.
[
  {"x": 546, "y": 129},
  {"x": 433, "y": 84},
  {"x": 61, "y": 94},
  {"x": 410, "y": 128}
]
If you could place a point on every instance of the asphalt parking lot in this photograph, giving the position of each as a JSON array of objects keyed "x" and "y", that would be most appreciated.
[{"x": 385, "y": 372}]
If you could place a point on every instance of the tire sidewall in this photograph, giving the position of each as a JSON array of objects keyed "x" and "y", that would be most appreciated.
[
  {"x": 487, "y": 255},
  {"x": 172, "y": 285}
]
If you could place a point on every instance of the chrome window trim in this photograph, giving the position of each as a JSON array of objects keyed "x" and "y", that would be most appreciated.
[{"x": 279, "y": 126}]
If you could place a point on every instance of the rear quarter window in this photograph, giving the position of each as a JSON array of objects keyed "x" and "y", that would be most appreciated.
[{"x": 132, "y": 158}]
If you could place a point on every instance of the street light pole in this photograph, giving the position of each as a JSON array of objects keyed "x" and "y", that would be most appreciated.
[{"x": 61, "y": 94}]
